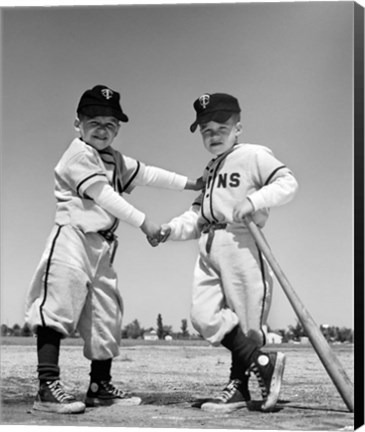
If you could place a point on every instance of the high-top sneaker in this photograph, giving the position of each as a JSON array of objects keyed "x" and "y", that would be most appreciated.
[
  {"x": 105, "y": 393},
  {"x": 269, "y": 369},
  {"x": 52, "y": 397},
  {"x": 234, "y": 396}
]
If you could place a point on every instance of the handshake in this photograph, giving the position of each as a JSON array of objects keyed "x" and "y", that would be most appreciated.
[{"x": 155, "y": 234}]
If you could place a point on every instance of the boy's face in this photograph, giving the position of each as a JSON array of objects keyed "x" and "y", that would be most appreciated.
[
  {"x": 220, "y": 137},
  {"x": 99, "y": 132}
]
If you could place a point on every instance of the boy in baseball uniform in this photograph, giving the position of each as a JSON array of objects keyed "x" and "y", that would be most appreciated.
[
  {"x": 232, "y": 282},
  {"x": 75, "y": 284}
]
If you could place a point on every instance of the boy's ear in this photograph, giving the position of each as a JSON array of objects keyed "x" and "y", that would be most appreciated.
[
  {"x": 239, "y": 129},
  {"x": 77, "y": 124}
]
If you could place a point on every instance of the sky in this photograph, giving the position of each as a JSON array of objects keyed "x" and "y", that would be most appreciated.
[{"x": 290, "y": 66}]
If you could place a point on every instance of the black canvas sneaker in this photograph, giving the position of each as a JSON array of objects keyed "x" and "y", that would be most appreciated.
[
  {"x": 52, "y": 397},
  {"x": 269, "y": 370},
  {"x": 104, "y": 393},
  {"x": 235, "y": 395}
]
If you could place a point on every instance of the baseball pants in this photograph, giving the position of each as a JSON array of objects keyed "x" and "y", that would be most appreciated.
[
  {"x": 232, "y": 285},
  {"x": 75, "y": 287}
]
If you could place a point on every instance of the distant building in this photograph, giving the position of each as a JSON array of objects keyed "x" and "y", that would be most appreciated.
[
  {"x": 274, "y": 338},
  {"x": 150, "y": 335},
  {"x": 271, "y": 337}
]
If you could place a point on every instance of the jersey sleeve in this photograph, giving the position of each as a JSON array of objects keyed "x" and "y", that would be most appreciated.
[
  {"x": 275, "y": 183},
  {"x": 185, "y": 226},
  {"x": 146, "y": 175},
  {"x": 106, "y": 197},
  {"x": 82, "y": 171}
]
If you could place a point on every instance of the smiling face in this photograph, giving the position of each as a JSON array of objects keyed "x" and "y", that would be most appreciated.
[
  {"x": 220, "y": 137},
  {"x": 99, "y": 132}
]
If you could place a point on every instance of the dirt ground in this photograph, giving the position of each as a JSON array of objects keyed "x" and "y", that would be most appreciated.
[{"x": 171, "y": 378}]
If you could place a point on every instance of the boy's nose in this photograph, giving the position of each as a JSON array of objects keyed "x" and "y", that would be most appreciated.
[{"x": 102, "y": 129}]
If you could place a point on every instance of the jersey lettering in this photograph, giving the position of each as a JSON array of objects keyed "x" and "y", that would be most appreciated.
[
  {"x": 233, "y": 180},
  {"x": 222, "y": 180}
]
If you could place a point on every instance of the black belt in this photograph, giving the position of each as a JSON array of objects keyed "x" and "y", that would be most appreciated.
[
  {"x": 108, "y": 235},
  {"x": 112, "y": 238},
  {"x": 210, "y": 229}
]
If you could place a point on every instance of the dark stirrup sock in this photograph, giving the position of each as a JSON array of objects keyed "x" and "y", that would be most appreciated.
[
  {"x": 243, "y": 349},
  {"x": 100, "y": 370},
  {"x": 48, "y": 350}
]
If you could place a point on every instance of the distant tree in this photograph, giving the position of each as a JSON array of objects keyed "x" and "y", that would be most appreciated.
[
  {"x": 132, "y": 330},
  {"x": 26, "y": 330},
  {"x": 160, "y": 330},
  {"x": 167, "y": 330},
  {"x": 329, "y": 332},
  {"x": 336, "y": 334},
  {"x": 4, "y": 330},
  {"x": 284, "y": 334},
  {"x": 345, "y": 335},
  {"x": 16, "y": 330},
  {"x": 184, "y": 328},
  {"x": 296, "y": 332}
]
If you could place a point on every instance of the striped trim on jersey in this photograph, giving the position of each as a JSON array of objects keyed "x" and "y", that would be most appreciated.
[
  {"x": 85, "y": 180},
  {"x": 133, "y": 176},
  {"x": 273, "y": 173},
  {"x": 110, "y": 157},
  {"x": 47, "y": 274},
  {"x": 211, "y": 185}
]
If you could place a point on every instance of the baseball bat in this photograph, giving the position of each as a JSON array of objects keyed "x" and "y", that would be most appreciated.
[{"x": 321, "y": 346}]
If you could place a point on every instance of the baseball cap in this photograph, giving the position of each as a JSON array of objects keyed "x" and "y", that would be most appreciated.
[
  {"x": 217, "y": 107},
  {"x": 101, "y": 101}
]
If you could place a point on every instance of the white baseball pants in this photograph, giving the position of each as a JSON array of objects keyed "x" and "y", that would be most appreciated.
[
  {"x": 232, "y": 285},
  {"x": 75, "y": 287}
]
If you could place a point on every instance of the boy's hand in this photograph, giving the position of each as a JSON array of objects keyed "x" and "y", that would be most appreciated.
[
  {"x": 242, "y": 209},
  {"x": 152, "y": 231},
  {"x": 161, "y": 237},
  {"x": 153, "y": 241},
  {"x": 197, "y": 184},
  {"x": 165, "y": 231}
]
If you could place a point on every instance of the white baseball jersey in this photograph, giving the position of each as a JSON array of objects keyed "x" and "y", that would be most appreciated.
[
  {"x": 232, "y": 281},
  {"x": 246, "y": 171},
  {"x": 75, "y": 285},
  {"x": 81, "y": 166}
]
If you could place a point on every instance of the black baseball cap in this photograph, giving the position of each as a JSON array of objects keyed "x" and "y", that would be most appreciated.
[
  {"x": 101, "y": 101},
  {"x": 217, "y": 107}
]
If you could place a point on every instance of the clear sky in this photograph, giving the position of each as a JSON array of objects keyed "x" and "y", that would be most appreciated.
[{"x": 289, "y": 64}]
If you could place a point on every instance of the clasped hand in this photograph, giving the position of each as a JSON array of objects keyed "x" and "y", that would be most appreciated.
[
  {"x": 155, "y": 233},
  {"x": 160, "y": 236}
]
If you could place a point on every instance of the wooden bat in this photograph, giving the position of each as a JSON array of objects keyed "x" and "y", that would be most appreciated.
[{"x": 321, "y": 346}]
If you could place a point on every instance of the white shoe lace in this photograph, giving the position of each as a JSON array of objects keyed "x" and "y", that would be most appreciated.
[
  {"x": 229, "y": 390},
  {"x": 110, "y": 388},
  {"x": 253, "y": 368},
  {"x": 58, "y": 392}
]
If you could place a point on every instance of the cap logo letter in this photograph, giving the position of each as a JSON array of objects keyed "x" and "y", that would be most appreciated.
[
  {"x": 204, "y": 100},
  {"x": 107, "y": 93}
]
